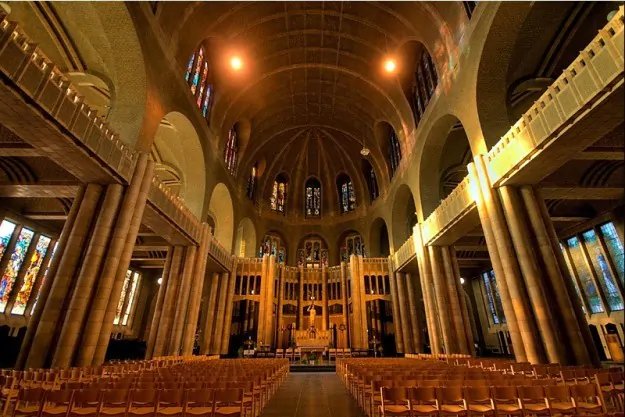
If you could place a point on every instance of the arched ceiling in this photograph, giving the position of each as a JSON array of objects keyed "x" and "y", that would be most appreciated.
[{"x": 312, "y": 70}]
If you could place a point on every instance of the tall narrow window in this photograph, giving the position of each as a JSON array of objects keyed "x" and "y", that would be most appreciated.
[
  {"x": 251, "y": 183},
  {"x": 132, "y": 295},
  {"x": 498, "y": 305},
  {"x": 198, "y": 76},
  {"x": 279, "y": 193},
  {"x": 615, "y": 249},
  {"x": 577, "y": 290},
  {"x": 230, "y": 153},
  {"x": 347, "y": 197},
  {"x": 45, "y": 274},
  {"x": 13, "y": 267},
  {"x": 424, "y": 84},
  {"x": 6, "y": 231},
  {"x": 490, "y": 297},
  {"x": 373, "y": 185},
  {"x": 30, "y": 277},
  {"x": 394, "y": 152},
  {"x": 600, "y": 265},
  {"x": 313, "y": 198},
  {"x": 585, "y": 276},
  {"x": 122, "y": 297}
]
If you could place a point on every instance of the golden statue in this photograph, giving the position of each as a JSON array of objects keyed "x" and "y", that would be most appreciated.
[{"x": 313, "y": 314}]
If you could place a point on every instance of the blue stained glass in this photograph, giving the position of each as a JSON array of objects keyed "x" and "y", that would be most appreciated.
[
  {"x": 189, "y": 68},
  {"x": 615, "y": 249},
  {"x": 32, "y": 310},
  {"x": 207, "y": 98},
  {"x": 13, "y": 267},
  {"x": 577, "y": 291},
  {"x": 6, "y": 231},
  {"x": 606, "y": 281},
  {"x": 489, "y": 297},
  {"x": 19, "y": 307},
  {"x": 584, "y": 274},
  {"x": 498, "y": 305}
]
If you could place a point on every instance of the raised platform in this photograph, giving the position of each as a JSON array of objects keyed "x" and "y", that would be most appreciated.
[{"x": 323, "y": 366}]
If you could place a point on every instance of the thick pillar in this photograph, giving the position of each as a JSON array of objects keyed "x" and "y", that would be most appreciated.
[
  {"x": 199, "y": 273},
  {"x": 211, "y": 307},
  {"x": 397, "y": 319},
  {"x": 345, "y": 301},
  {"x": 182, "y": 300},
  {"x": 158, "y": 307},
  {"x": 575, "y": 324},
  {"x": 281, "y": 284},
  {"x": 81, "y": 296},
  {"x": 220, "y": 314},
  {"x": 171, "y": 295},
  {"x": 513, "y": 210},
  {"x": 404, "y": 312},
  {"x": 269, "y": 289},
  {"x": 417, "y": 344},
  {"x": 62, "y": 280},
  {"x": 263, "y": 306},
  {"x": 225, "y": 340},
  {"x": 454, "y": 302},
  {"x": 324, "y": 298},
  {"x": 427, "y": 286},
  {"x": 300, "y": 299},
  {"x": 442, "y": 302},
  {"x": 44, "y": 290},
  {"x": 357, "y": 313},
  {"x": 464, "y": 309}
]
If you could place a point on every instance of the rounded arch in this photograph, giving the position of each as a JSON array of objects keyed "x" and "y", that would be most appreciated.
[
  {"x": 245, "y": 242},
  {"x": 98, "y": 38},
  {"x": 313, "y": 236},
  {"x": 221, "y": 206},
  {"x": 313, "y": 192},
  {"x": 379, "y": 242},
  {"x": 177, "y": 145},
  {"x": 403, "y": 215},
  {"x": 389, "y": 143}
]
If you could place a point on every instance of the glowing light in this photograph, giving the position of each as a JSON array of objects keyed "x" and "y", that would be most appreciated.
[
  {"x": 159, "y": 281},
  {"x": 461, "y": 281},
  {"x": 236, "y": 63},
  {"x": 390, "y": 65}
]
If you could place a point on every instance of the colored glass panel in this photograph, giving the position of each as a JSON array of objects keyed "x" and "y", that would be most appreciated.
[
  {"x": 230, "y": 154},
  {"x": 577, "y": 290},
  {"x": 13, "y": 267},
  {"x": 600, "y": 265},
  {"x": 490, "y": 298},
  {"x": 131, "y": 298},
  {"x": 19, "y": 307},
  {"x": 6, "y": 231},
  {"x": 615, "y": 249},
  {"x": 196, "y": 72},
  {"x": 207, "y": 99},
  {"x": 584, "y": 274},
  {"x": 344, "y": 202},
  {"x": 44, "y": 278},
  {"x": 204, "y": 77},
  {"x": 189, "y": 67},
  {"x": 274, "y": 196},
  {"x": 498, "y": 305},
  {"x": 122, "y": 297}
]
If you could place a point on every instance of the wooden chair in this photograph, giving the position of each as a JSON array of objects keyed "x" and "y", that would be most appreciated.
[
  {"x": 451, "y": 401},
  {"x": 559, "y": 401},
  {"x": 533, "y": 400},
  {"x": 506, "y": 401},
  {"x": 394, "y": 402},
  {"x": 114, "y": 402},
  {"x": 85, "y": 403},
  {"x": 57, "y": 403},
  {"x": 199, "y": 403},
  {"x": 588, "y": 399},
  {"x": 29, "y": 402},
  {"x": 479, "y": 401},
  {"x": 228, "y": 403},
  {"x": 142, "y": 403},
  {"x": 423, "y": 401},
  {"x": 170, "y": 403}
]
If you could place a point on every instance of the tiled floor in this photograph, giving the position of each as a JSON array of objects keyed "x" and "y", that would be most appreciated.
[{"x": 312, "y": 395}]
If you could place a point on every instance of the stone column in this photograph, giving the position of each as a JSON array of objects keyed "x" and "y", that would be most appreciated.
[
  {"x": 364, "y": 341},
  {"x": 211, "y": 305},
  {"x": 44, "y": 291},
  {"x": 575, "y": 324},
  {"x": 414, "y": 319},
  {"x": 466, "y": 319},
  {"x": 81, "y": 297},
  {"x": 427, "y": 286},
  {"x": 281, "y": 284},
  {"x": 269, "y": 286},
  {"x": 221, "y": 312},
  {"x": 171, "y": 295},
  {"x": 344, "y": 300},
  {"x": 442, "y": 302},
  {"x": 62, "y": 280},
  {"x": 182, "y": 300},
  {"x": 262, "y": 308},
  {"x": 357, "y": 313},
  {"x": 158, "y": 307},
  {"x": 522, "y": 328},
  {"x": 404, "y": 312},
  {"x": 518, "y": 227},
  {"x": 225, "y": 340},
  {"x": 199, "y": 273},
  {"x": 397, "y": 319},
  {"x": 300, "y": 304},
  {"x": 454, "y": 301},
  {"x": 324, "y": 302}
]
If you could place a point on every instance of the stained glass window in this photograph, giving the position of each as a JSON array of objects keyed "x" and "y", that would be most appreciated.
[
  {"x": 490, "y": 297},
  {"x": 394, "y": 152},
  {"x": 615, "y": 249},
  {"x": 584, "y": 274},
  {"x": 605, "y": 278},
  {"x": 347, "y": 197},
  {"x": 251, "y": 183},
  {"x": 373, "y": 185},
  {"x": 45, "y": 274},
  {"x": 577, "y": 290},
  {"x": 122, "y": 297},
  {"x": 230, "y": 153},
  {"x": 198, "y": 75},
  {"x": 6, "y": 231},
  {"x": 313, "y": 198},
  {"x": 278, "y": 194},
  {"x": 424, "y": 84},
  {"x": 131, "y": 298},
  {"x": 498, "y": 305},
  {"x": 19, "y": 307},
  {"x": 13, "y": 267}
]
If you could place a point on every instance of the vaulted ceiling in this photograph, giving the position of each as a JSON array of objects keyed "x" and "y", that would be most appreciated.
[{"x": 312, "y": 78}]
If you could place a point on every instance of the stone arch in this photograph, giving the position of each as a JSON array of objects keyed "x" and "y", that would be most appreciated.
[
  {"x": 98, "y": 39},
  {"x": 221, "y": 206},
  {"x": 383, "y": 131},
  {"x": 403, "y": 215},
  {"x": 379, "y": 242},
  {"x": 245, "y": 242},
  {"x": 177, "y": 145}
]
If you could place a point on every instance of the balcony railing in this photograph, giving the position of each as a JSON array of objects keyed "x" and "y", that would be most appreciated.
[
  {"x": 37, "y": 76},
  {"x": 174, "y": 209},
  {"x": 221, "y": 255},
  {"x": 449, "y": 211},
  {"x": 405, "y": 253},
  {"x": 595, "y": 68}
]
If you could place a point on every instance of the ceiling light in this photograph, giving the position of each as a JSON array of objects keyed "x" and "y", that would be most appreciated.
[
  {"x": 390, "y": 66},
  {"x": 461, "y": 280},
  {"x": 365, "y": 151},
  {"x": 236, "y": 63},
  {"x": 159, "y": 281}
]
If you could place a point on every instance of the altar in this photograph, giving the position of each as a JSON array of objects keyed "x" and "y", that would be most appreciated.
[{"x": 313, "y": 338}]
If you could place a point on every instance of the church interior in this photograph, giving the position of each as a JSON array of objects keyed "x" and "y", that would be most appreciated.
[{"x": 259, "y": 208}]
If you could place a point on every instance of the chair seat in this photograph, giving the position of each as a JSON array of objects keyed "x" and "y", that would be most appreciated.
[
  {"x": 141, "y": 410},
  {"x": 480, "y": 408},
  {"x": 57, "y": 410},
  {"x": 562, "y": 406},
  {"x": 451, "y": 408},
  {"x": 29, "y": 409},
  {"x": 113, "y": 411},
  {"x": 424, "y": 408},
  {"x": 536, "y": 407},
  {"x": 170, "y": 411},
  {"x": 84, "y": 411},
  {"x": 198, "y": 411},
  {"x": 394, "y": 409},
  {"x": 227, "y": 411},
  {"x": 588, "y": 406},
  {"x": 509, "y": 408}
]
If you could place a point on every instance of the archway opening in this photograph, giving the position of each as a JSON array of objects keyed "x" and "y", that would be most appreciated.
[
  {"x": 245, "y": 242},
  {"x": 221, "y": 206},
  {"x": 379, "y": 243},
  {"x": 404, "y": 216}
]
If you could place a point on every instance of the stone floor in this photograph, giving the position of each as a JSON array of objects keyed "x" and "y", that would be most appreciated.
[{"x": 312, "y": 395}]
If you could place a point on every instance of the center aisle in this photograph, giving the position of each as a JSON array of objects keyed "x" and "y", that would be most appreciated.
[{"x": 312, "y": 395}]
